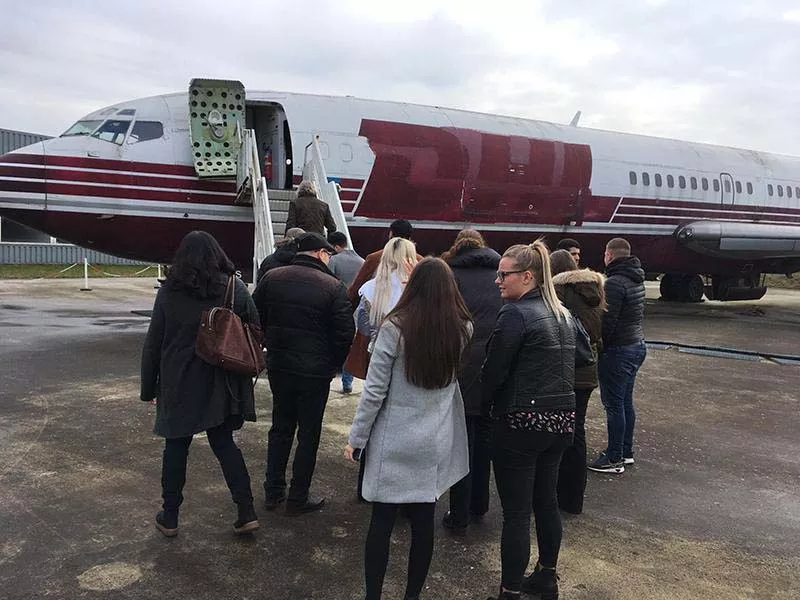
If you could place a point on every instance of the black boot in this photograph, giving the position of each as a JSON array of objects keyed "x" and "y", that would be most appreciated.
[
  {"x": 542, "y": 581},
  {"x": 167, "y": 522},
  {"x": 506, "y": 595},
  {"x": 247, "y": 521}
]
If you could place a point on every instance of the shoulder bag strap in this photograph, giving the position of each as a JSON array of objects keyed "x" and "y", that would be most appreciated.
[{"x": 229, "y": 292}]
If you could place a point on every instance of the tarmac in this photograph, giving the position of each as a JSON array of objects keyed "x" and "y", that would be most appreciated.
[{"x": 711, "y": 509}]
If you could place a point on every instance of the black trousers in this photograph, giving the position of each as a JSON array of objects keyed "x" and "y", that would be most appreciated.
[
  {"x": 298, "y": 404},
  {"x": 572, "y": 473},
  {"x": 376, "y": 551},
  {"x": 173, "y": 467},
  {"x": 526, "y": 472},
  {"x": 471, "y": 494}
]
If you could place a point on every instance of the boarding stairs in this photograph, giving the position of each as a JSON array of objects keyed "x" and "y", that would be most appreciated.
[{"x": 314, "y": 170}]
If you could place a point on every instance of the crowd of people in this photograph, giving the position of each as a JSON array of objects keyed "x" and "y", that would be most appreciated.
[{"x": 469, "y": 364}]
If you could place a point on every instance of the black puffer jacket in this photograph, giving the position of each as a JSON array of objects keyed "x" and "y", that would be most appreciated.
[
  {"x": 282, "y": 256},
  {"x": 530, "y": 359},
  {"x": 622, "y": 323},
  {"x": 581, "y": 291},
  {"x": 475, "y": 270},
  {"x": 306, "y": 319}
]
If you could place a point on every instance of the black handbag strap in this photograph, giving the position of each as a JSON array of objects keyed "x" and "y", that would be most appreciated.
[{"x": 229, "y": 292}]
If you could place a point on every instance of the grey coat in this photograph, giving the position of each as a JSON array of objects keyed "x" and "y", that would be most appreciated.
[{"x": 415, "y": 440}]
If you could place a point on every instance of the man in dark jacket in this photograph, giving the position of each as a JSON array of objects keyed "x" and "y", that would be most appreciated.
[
  {"x": 623, "y": 353},
  {"x": 308, "y": 212},
  {"x": 284, "y": 253},
  {"x": 475, "y": 269},
  {"x": 308, "y": 328}
]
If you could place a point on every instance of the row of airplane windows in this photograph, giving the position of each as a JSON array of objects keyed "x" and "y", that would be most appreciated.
[{"x": 715, "y": 183}]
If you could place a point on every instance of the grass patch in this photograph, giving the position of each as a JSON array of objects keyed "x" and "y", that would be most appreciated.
[{"x": 76, "y": 272}]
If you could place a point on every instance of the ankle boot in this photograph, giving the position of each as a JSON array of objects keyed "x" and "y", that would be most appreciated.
[
  {"x": 167, "y": 522},
  {"x": 542, "y": 581},
  {"x": 248, "y": 520}
]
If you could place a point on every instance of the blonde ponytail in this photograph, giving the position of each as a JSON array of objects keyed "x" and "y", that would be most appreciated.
[{"x": 545, "y": 278}]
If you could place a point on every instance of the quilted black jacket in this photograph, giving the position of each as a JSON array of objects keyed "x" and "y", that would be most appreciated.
[
  {"x": 622, "y": 322},
  {"x": 530, "y": 360}
]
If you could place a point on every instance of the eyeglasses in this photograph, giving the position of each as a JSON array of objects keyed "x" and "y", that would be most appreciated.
[{"x": 501, "y": 275}]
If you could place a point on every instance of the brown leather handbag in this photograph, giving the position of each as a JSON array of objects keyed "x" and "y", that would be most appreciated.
[{"x": 225, "y": 341}]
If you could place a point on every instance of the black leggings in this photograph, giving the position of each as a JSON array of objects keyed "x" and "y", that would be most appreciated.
[{"x": 376, "y": 552}]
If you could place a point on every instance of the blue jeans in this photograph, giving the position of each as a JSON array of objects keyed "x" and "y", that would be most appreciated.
[
  {"x": 617, "y": 370},
  {"x": 347, "y": 380}
]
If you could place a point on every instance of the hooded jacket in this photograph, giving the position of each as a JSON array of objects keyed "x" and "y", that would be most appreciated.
[
  {"x": 623, "y": 322},
  {"x": 282, "y": 257},
  {"x": 475, "y": 270},
  {"x": 581, "y": 291}
]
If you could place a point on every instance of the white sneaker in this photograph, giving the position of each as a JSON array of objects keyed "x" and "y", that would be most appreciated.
[{"x": 627, "y": 460}]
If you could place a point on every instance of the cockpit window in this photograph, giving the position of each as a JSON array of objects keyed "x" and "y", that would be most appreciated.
[
  {"x": 127, "y": 111},
  {"x": 145, "y": 130},
  {"x": 81, "y": 128},
  {"x": 113, "y": 130}
]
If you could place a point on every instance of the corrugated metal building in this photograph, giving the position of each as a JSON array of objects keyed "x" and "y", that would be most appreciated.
[
  {"x": 22, "y": 245},
  {"x": 11, "y": 140}
]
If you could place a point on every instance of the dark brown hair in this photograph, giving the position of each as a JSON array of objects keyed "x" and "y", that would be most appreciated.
[
  {"x": 434, "y": 323},
  {"x": 200, "y": 267},
  {"x": 466, "y": 238},
  {"x": 619, "y": 247},
  {"x": 560, "y": 261}
]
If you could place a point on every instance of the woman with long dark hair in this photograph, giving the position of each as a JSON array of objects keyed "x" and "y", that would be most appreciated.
[
  {"x": 474, "y": 265},
  {"x": 581, "y": 291},
  {"x": 528, "y": 381},
  {"x": 191, "y": 395},
  {"x": 410, "y": 420}
]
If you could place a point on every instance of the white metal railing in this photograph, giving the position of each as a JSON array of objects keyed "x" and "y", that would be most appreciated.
[
  {"x": 250, "y": 181},
  {"x": 314, "y": 170}
]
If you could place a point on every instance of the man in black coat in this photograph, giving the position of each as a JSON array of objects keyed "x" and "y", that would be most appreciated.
[
  {"x": 623, "y": 353},
  {"x": 283, "y": 255},
  {"x": 308, "y": 328}
]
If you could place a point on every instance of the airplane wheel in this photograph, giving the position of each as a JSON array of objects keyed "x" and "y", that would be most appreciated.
[
  {"x": 692, "y": 288},
  {"x": 669, "y": 288}
]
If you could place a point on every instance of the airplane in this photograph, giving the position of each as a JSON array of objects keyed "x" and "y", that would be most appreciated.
[{"x": 131, "y": 179}]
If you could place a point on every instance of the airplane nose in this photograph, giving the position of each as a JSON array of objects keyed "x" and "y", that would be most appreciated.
[{"x": 23, "y": 182}]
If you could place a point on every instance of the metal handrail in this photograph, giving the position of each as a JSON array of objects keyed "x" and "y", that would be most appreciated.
[{"x": 250, "y": 169}]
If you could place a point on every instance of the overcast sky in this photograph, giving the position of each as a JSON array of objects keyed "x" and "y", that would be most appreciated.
[{"x": 710, "y": 71}]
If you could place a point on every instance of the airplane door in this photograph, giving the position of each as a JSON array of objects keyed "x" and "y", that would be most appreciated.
[{"x": 726, "y": 190}]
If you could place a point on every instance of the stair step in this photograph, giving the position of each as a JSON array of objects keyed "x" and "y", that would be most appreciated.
[
  {"x": 278, "y": 205},
  {"x": 285, "y": 195}
]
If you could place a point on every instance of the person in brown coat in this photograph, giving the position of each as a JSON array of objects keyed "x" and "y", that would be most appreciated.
[
  {"x": 308, "y": 212},
  {"x": 581, "y": 291}
]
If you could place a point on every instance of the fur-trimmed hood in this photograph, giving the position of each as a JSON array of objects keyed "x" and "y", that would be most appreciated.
[{"x": 588, "y": 284}]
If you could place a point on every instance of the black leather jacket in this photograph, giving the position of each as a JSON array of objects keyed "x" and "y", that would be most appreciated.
[
  {"x": 622, "y": 322},
  {"x": 530, "y": 360}
]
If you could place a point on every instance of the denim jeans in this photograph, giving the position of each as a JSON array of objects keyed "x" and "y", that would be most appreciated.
[
  {"x": 347, "y": 380},
  {"x": 617, "y": 369},
  {"x": 526, "y": 472}
]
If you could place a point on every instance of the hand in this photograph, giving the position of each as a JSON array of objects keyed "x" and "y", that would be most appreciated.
[
  {"x": 408, "y": 265},
  {"x": 154, "y": 401},
  {"x": 348, "y": 453}
]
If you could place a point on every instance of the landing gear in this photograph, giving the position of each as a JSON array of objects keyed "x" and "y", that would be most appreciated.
[
  {"x": 682, "y": 288},
  {"x": 746, "y": 287}
]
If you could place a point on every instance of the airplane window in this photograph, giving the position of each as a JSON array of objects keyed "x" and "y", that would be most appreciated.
[
  {"x": 797, "y": 192},
  {"x": 749, "y": 188},
  {"x": 789, "y": 191},
  {"x": 324, "y": 150},
  {"x": 81, "y": 128},
  {"x": 727, "y": 186},
  {"x": 769, "y": 189},
  {"x": 632, "y": 177},
  {"x": 670, "y": 181},
  {"x": 127, "y": 111},
  {"x": 682, "y": 182},
  {"x": 716, "y": 185},
  {"x": 738, "y": 187},
  {"x": 658, "y": 179},
  {"x": 780, "y": 191},
  {"x": 113, "y": 130},
  {"x": 646, "y": 178},
  {"x": 705, "y": 184},
  {"x": 693, "y": 181},
  {"x": 144, "y": 131}
]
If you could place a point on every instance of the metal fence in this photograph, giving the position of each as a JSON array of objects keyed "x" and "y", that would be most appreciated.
[
  {"x": 11, "y": 140},
  {"x": 12, "y": 253}
]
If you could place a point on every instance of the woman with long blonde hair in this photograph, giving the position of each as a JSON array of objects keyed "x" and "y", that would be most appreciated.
[
  {"x": 380, "y": 295},
  {"x": 528, "y": 380}
]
